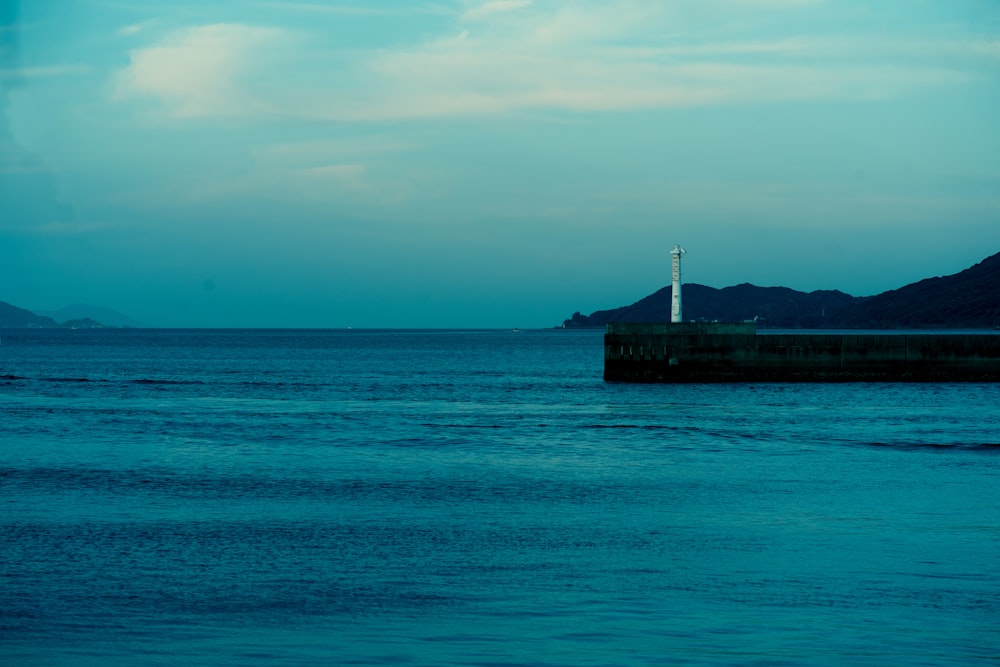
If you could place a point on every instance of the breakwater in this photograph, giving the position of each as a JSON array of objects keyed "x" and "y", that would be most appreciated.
[{"x": 723, "y": 352}]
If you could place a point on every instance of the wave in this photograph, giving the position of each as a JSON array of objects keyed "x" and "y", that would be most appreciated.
[
  {"x": 938, "y": 446},
  {"x": 152, "y": 381},
  {"x": 470, "y": 426},
  {"x": 57, "y": 379},
  {"x": 165, "y": 482},
  {"x": 647, "y": 427}
]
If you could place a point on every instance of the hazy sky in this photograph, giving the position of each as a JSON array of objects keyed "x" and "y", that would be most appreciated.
[{"x": 486, "y": 164}]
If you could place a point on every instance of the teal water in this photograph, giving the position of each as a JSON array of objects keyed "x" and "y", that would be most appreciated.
[{"x": 479, "y": 498}]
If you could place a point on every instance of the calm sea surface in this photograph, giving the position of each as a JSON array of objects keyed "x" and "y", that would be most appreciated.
[{"x": 479, "y": 498}]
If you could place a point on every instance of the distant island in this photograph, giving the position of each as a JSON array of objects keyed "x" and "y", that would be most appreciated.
[
  {"x": 966, "y": 300},
  {"x": 12, "y": 317},
  {"x": 72, "y": 314}
]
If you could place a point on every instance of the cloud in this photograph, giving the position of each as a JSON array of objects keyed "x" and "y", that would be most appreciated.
[
  {"x": 346, "y": 10},
  {"x": 774, "y": 4},
  {"x": 43, "y": 71},
  {"x": 487, "y": 9},
  {"x": 202, "y": 71},
  {"x": 349, "y": 176},
  {"x": 134, "y": 28},
  {"x": 315, "y": 7},
  {"x": 352, "y": 147},
  {"x": 67, "y": 228},
  {"x": 588, "y": 57},
  {"x": 28, "y": 168}
]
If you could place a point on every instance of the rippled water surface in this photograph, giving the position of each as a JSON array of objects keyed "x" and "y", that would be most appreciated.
[{"x": 479, "y": 498}]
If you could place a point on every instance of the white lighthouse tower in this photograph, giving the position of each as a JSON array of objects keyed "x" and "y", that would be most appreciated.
[{"x": 675, "y": 288}]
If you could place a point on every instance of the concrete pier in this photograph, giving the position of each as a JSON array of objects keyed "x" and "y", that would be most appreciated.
[{"x": 720, "y": 352}]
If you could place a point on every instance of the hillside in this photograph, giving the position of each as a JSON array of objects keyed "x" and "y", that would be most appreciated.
[
  {"x": 12, "y": 317},
  {"x": 969, "y": 299},
  {"x": 82, "y": 311}
]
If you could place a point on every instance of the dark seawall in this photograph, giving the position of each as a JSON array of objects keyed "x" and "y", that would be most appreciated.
[{"x": 690, "y": 352}]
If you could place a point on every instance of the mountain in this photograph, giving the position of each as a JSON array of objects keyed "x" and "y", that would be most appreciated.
[
  {"x": 12, "y": 317},
  {"x": 82, "y": 311},
  {"x": 969, "y": 299},
  {"x": 83, "y": 323},
  {"x": 770, "y": 306}
]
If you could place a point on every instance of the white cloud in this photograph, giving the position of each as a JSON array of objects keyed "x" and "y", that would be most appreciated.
[
  {"x": 347, "y": 10},
  {"x": 315, "y": 7},
  {"x": 202, "y": 71},
  {"x": 43, "y": 71},
  {"x": 339, "y": 171},
  {"x": 487, "y": 9},
  {"x": 585, "y": 57},
  {"x": 774, "y": 4},
  {"x": 349, "y": 176},
  {"x": 71, "y": 228},
  {"x": 352, "y": 146},
  {"x": 134, "y": 28},
  {"x": 22, "y": 169}
]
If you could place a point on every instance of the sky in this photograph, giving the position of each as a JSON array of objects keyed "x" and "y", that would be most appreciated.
[{"x": 461, "y": 163}]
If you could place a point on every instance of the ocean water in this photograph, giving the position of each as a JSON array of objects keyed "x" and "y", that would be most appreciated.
[{"x": 479, "y": 498}]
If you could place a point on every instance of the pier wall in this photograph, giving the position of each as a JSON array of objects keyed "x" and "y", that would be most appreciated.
[{"x": 689, "y": 352}]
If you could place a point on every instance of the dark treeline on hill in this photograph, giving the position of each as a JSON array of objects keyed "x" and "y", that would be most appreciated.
[{"x": 967, "y": 300}]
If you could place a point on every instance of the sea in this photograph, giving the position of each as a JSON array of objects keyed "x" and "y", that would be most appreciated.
[{"x": 432, "y": 497}]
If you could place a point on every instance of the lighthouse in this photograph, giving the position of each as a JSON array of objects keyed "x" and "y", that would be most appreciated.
[{"x": 675, "y": 288}]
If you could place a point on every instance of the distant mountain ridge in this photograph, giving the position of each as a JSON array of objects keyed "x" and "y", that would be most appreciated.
[
  {"x": 83, "y": 311},
  {"x": 968, "y": 299},
  {"x": 12, "y": 317}
]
